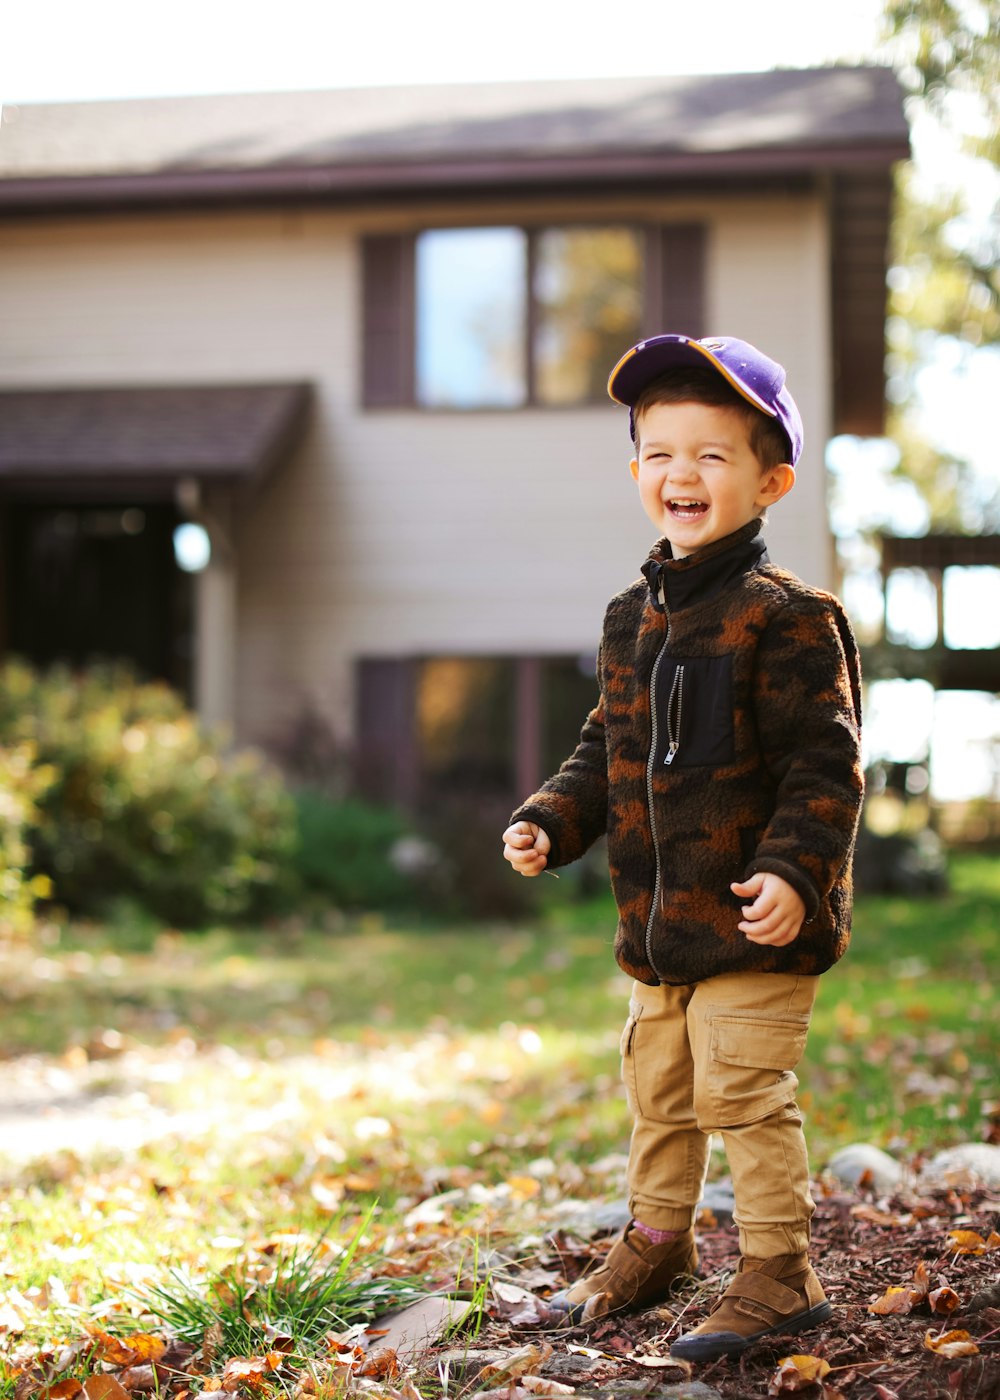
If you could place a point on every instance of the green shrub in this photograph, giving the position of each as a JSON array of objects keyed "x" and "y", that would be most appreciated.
[
  {"x": 22, "y": 783},
  {"x": 143, "y": 802},
  {"x": 347, "y": 851}
]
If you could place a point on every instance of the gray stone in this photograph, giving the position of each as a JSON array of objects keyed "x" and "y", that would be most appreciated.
[
  {"x": 861, "y": 1159},
  {"x": 571, "y": 1369},
  {"x": 464, "y": 1363},
  {"x": 719, "y": 1199},
  {"x": 970, "y": 1162},
  {"x": 615, "y": 1215},
  {"x": 410, "y": 1331}
]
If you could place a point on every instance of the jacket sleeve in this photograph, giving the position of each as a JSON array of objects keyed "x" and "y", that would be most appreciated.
[
  {"x": 808, "y": 711},
  {"x": 572, "y": 807}
]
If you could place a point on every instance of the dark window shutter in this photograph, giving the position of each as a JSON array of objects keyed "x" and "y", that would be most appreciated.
[
  {"x": 387, "y": 357},
  {"x": 386, "y": 759},
  {"x": 676, "y": 267}
]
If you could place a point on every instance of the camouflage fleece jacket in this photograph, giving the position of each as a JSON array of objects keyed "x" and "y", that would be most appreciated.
[{"x": 726, "y": 741}]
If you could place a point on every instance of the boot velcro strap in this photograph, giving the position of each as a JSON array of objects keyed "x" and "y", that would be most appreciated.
[{"x": 759, "y": 1288}]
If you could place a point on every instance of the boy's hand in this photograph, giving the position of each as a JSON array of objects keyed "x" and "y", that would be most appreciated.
[
  {"x": 526, "y": 846},
  {"x": 776, "y": 914}
]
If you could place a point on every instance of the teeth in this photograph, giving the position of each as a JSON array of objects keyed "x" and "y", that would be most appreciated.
[{"x": 686, "y": 505}]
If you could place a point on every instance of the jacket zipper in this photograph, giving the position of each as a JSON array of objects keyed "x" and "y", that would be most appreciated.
[
  {"x": 658, "y": 880},
  {"x": 674, "y": 730}
]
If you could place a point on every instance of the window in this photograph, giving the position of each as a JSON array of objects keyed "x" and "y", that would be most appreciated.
[
  {"x": 507, "y": 317},
  {"x": 471, "y": 316},
  {"x": 449, "y": 728},
  {"x": 587, "y": 288}
]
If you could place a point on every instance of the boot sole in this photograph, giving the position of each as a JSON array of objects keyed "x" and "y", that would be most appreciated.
[{"x": 709, "y": 1346}]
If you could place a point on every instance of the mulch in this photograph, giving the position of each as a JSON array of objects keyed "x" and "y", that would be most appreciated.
[{"x": 863, "y": 1245}]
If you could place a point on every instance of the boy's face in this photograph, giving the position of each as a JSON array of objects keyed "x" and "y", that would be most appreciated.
[{"x": 698, "y": 477}]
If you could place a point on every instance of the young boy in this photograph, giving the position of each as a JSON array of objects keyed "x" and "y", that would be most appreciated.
[{"x": 723, "y": 762}]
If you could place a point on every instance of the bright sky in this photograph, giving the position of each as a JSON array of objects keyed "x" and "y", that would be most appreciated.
[{"x": 62, "y": 50}]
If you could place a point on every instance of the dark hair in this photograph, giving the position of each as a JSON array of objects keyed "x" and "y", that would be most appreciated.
[{"x": 768, "y": 442}]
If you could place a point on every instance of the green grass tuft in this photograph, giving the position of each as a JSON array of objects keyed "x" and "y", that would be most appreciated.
[{"x": 293, "y": 1299}]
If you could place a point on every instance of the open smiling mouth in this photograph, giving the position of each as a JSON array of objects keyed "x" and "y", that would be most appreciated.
[{"x": 682, "y": 509}]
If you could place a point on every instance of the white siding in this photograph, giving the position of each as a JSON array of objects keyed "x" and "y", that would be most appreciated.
[{"x": 400, "y": 532}]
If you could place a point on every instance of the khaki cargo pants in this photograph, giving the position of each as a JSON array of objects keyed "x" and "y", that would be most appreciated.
[{"x": 718, "y": 1057}]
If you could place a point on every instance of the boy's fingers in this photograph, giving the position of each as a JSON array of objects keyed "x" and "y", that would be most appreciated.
[{"x": 749, "y": 887}]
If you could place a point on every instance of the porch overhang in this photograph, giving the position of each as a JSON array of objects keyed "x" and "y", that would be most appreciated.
[{"x": 144, "y": 441}]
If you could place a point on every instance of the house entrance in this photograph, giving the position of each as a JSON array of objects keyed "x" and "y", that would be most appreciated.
[{"x": 93, "y": 582}]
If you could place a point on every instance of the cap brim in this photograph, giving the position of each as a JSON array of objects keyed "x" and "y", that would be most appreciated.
[{"x": 644, "y": 362}]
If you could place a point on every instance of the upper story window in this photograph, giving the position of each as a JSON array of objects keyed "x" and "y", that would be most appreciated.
[
  {"x": 471, "y": 318},
  {"x": 506, "y": 317}
]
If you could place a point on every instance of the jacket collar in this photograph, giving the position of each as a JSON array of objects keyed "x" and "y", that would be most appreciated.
[{"x": 678, "y": 583}]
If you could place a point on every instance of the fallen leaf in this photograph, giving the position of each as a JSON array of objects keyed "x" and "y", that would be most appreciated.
[
  {"x": 138, "y": 1378},
  {"x": 921, "y": 1285},
  {"x": 250, "y": 1370},
  {"x": 892, "y": 1302},
  {"x": 510, "y": 1292},
  {"x": 127, "y": 1351},
  {"x": 943, "y": 1301},
  {"x": 901, "y": 1300},
  {"x": 211, "y": 1342},
  {"x": 522, "y": 1362},
  {"x": 11, "y": 1319},
  {"x": 104, "y": 1388},
  {"x": 970, "y": 1242},
  {"x": 659, "y": 1363},
  {"x": 540, "y": 1385},
  {"x": 951, "y": 1344},
  {"x": 797, "y": 1373},
  {"x": 382, "y": 1364}
]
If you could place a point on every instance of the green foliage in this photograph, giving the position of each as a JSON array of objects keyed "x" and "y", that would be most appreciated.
[
  {"x": 345, "y": 848},
  {"x": 945, "y": 279},
  {"x": 143, "y": 803},
  {"x": 297, "y": 1295},
  {"x": 22, "y": 783}
]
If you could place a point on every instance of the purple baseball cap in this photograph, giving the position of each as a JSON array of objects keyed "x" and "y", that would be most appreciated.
[{"x": 758, "y": 378}]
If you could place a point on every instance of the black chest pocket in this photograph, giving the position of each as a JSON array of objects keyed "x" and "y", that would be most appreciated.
[{"x": 694, "y": 711}]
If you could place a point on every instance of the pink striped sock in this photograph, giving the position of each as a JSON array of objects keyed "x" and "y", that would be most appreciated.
[{"x": 656, "y": 1236}]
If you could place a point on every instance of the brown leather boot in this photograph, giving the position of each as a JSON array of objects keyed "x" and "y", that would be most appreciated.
[
  {"x": 635, "y": 1273},
  {"x": 765, "y": 1296}
]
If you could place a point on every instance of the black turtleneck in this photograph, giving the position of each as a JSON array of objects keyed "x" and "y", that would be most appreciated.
[{"x": 704, "y": 574}]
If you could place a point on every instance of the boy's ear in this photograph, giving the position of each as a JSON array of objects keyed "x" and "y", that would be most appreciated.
[
  {"x": 775, "y": 483},
  {"x": 633, "y": 467}
]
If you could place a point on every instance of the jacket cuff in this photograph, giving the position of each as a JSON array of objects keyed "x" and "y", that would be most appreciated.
[
  {"x": 799, "y": 882},
  {"x": 540, "y": 816}
]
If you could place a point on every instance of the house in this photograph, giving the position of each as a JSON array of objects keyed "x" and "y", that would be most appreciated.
[{"x": 361, "y": 339}]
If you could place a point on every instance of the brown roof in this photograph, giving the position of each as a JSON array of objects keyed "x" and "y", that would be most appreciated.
[
  {"x": 145, "y": 437},
  {"x": 348, "y": 142}
]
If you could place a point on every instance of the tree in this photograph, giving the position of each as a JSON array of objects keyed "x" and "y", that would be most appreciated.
[{"x": 945, "y": 276}]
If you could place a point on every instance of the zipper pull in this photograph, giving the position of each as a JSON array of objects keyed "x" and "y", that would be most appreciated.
[{"x": 671, "y": 752}]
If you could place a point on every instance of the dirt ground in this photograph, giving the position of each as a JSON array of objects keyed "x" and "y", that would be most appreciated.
[{"x": 862, "y": 1247}]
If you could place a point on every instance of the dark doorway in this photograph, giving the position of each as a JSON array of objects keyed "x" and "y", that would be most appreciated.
[{"x": 98, "y": 582}]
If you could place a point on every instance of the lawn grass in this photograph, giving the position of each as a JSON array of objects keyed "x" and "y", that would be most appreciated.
[{"x": 318, "y": 1072}]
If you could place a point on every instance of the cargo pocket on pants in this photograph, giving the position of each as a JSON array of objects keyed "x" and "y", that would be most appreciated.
[
  {"x": 626, "y": 1046},
  {"x": 751, "y": 1060}
]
